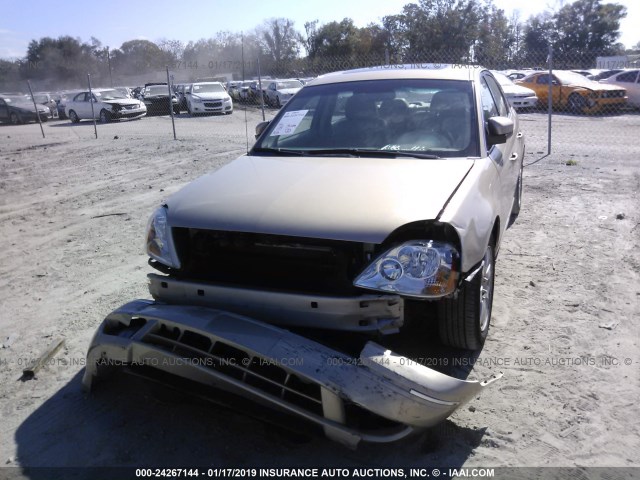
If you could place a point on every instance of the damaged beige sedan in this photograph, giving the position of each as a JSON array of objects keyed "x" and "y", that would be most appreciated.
[{"x": 375, "y": 198}]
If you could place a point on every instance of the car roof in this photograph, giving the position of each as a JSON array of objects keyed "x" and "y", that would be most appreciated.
[{"x": 436, "y": 71}]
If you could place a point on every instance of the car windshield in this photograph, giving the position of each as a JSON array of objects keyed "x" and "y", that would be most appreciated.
[
  {"x": 378, "y": 117},
  {"x": 289, "y": 84},
  {"x": 568, "y": 78},
  {"x": 109, "y": 95},
  {"x": 157, "y": 90},
  {"x": 14, "y": 100},
  {"x": 208, "y": 88}
]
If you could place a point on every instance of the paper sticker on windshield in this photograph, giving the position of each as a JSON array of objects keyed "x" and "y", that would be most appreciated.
[{"x": 289, "y": 122}]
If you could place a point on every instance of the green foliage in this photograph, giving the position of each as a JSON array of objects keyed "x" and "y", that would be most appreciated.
[{"x": 279, "y": 40}]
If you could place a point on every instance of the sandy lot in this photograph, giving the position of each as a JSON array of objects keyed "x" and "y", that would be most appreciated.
[{"x": 565, "y": 328}]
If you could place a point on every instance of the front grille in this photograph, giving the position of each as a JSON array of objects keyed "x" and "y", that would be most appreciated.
[
  {"x": 613, "y": 94},
  {"x": 272, "y": 262},
  {"x": 213, "y": 104},
  {"x": 261, "y": 373}
]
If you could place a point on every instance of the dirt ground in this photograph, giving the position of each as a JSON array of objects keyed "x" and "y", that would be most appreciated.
[{"x": 564, "y": 332}]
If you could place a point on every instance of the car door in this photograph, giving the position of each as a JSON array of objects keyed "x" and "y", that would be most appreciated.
[
  {"x": 629, "y": 80},
  {"x": 79, "y": 105},
  {"x": 4, "y": 111},
  {"x": 505, "y": 157},
  {"x": 271, "y": 93},
  {"x": 542, "y": 89}
]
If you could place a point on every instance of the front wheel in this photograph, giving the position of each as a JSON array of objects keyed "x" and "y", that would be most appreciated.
[
  {"x": 73, "y": 116},
  {"x": 576, "y": 103},
  {"x": 463, "y": 322},
  {"x": 176, "y": 110},
  {"x": 104, "y": 116}
]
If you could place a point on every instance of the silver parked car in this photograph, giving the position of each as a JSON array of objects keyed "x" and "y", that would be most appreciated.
[{"x": 374, "y": 197}]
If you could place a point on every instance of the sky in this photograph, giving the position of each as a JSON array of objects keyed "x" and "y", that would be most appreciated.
[{"x": 116, "y": 21}]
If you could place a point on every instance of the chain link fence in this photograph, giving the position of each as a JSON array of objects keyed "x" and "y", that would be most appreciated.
[{"x": 564, "y": 94}]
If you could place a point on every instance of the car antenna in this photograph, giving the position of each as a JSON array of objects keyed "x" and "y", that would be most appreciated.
[{"x": 246, "y": 123}]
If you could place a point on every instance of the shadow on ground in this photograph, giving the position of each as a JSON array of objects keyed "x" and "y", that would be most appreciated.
[{"x": 125, "y": 422}]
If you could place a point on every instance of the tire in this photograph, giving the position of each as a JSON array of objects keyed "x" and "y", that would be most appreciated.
[
  {"x": 575, "y": 102},
  {"x": 104, "y": 116},
  {"x": 176, "y": 110},
  {"x": 73, "y": 116},
  {"x": 15, "y": 119},
  {"x": 517, "y": 202},
  {"x": 463, "y": 322}
]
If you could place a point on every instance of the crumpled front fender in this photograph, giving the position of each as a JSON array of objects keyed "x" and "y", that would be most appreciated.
[{"x": 280, "y": 369}]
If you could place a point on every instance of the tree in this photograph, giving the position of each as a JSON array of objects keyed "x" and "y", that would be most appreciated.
[
  {"x": 587, "y": 26},
  {"x": 64, "y": 59},
  {"x": 140, "y": 56},
  {"x": 335, "y": 39},
  {"x": 173, "y": 49},
  {"x": 435, "y": 30},
  {"x": 495, "y": 39},
  {"x": 579, "y": 32},
  {"x": 279, "y": 39}
]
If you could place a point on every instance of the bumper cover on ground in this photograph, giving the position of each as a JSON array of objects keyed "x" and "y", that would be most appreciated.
[{"x": 280, "y": 369}]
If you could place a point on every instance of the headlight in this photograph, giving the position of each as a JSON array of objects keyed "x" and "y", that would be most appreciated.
[
  {"x": 159, "y": 244},
  {"x": 196, "y": 98},
  {"x": 420, "y": 268}
]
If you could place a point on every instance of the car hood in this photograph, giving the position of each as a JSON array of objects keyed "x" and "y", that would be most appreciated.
[
  {"x": 510, "y": 90},
  {"x": 289, "y": 91},
  {"x": 339, "y": 198},
  {"x": 212, "y": 95},
  {"x": 122, "y": 101},
  {"x": 27, "y": 107},
  {"x": 590, "y": 85}
]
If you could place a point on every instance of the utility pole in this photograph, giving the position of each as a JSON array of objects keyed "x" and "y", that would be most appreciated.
[{"x": 109, "y": 62}]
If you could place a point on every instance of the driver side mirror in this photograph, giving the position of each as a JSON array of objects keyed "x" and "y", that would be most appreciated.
[
  {"x": 261, "y": 127},
  {"x": 500, "y": 128}
]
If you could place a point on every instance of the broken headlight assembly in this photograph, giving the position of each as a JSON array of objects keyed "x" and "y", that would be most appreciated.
[
  {"x": 159, "y": 244},
  {"x": 419, "y": 268}
]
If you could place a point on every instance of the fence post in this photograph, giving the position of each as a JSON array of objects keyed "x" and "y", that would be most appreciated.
[
  {"x": 260, "y": 88},
  {"x": 109, "y": 63},
  {"x": 173, "y": 122},
  {"x": 549, "y": 102},
  {"x": 36, "y": 107},
  {"x": 93, "y": 113}
]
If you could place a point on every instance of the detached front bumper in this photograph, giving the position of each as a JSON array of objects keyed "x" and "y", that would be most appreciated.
[{"x": 279, "y": 369}]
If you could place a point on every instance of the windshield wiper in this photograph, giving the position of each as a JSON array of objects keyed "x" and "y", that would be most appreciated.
[
  {"x": 353, "y": 152},
  {"x": 370, "y": 152},
  {"x": 281, "y": 151}
]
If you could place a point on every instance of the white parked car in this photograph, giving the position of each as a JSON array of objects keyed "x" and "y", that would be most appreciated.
[
  {"x": 517, "y": 95},
  {"x": 208, "y": 97},
  {"x": 630, "y": 80},
  {"x": 279, "y": 92},
  {"x": 108, "y": 104}
]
